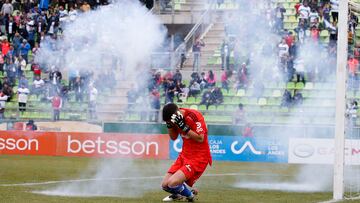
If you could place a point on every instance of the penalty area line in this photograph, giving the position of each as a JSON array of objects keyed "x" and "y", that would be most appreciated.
[{"x": 134, "y": 178}]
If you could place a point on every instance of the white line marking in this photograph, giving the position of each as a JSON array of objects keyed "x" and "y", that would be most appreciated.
[
  {"x": 331, "y": 201},
  {"x": 136, "y": 178}
]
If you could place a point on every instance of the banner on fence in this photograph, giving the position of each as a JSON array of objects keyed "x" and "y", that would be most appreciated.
[
  {"x": 238, "y": 148},
  {"x": 321, "y": 151},
  {"x": 85, "y": 144}
]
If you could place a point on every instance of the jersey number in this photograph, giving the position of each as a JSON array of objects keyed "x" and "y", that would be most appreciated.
[{"x": 198, "y": 127}]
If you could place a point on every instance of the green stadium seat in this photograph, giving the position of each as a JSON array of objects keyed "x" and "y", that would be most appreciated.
[
  {"x": 253, "y": 101},
  {"x": 232, "y": 92},
  {"x": 252, "y": 108},
  {"x": 299, "y": 86},
  {"x": 186, "y": 82},
  {"x": 227, "y": 100},
  {"x": 277, "y": 93},
  {"x": 64, "y": 116},
  {"x": 357, "y": 95},
  {"x": 262, "y": 101},
  {"x": 292, "y": 19},
  {"x": 236, "y": 100},
  {"x": 267, "y": 93},
  {"x": 230, "y": 108},
  {"x": 45, "y": 115},
  {"x": 218, "y": 61},
  {"x": 11, "y": 105},
  {"x": 284, "y": 109},
  {"x": 29, "y": 74},
  {"x": 220, "y": 108},
  {"x": 281, "y": 85},
  {"x": 212, "y": 108},
  {"x": 240, "y": 93},
  {"x": 309, "y": 86},
  {"x": 250, "y": 92},
  {"x": 266, "y": 108},
  {"x": 28, "y": 67},
  {"x": 243, "y": 100},
  {"x": 305, "y": 94},
  {"x": 24, "y": 115},
  {"x": 324, "y": 33},
  {"x": 177, "y": 6},
  {"x": 274, "y": 101},
  {"x": 222, "y": 6},
  {"x": 232, "y": 61},
  {"x": 190, "y": 100},
  {"x": 212, "y": 61},
  {"x": 134, "y": 117},
  {"x": 194, "y": 107},
  {"x": 225, "y": 92},
  {"x": 290, "y": 85},
  {"x": 202, "y": 108}
]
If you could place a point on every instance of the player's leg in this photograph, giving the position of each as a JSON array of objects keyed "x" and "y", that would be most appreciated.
[
  {"x": 165, "y": 182},
  {"x": 176, "y": 183},
  {"x": 174, "y": 195},
  {"x": 164, "y": 185}
]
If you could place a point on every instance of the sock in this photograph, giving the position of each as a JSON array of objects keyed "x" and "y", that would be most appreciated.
[
  {"x": 182, "y": 190},
  {"x": 167, "y": 189}
]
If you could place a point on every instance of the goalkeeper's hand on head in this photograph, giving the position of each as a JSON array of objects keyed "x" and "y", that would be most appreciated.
[
  {"x": 178, "y": 119},
  {"x": 169, "y": 124}
]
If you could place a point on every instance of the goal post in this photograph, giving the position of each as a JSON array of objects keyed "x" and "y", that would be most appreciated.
[{"x": 341, "y": 72}]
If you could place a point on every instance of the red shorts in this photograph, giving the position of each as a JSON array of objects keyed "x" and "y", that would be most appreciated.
[{"x": 191, "y": 168}]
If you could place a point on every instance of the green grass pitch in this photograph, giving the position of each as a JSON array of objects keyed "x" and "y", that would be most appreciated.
[{"x": 218, "y": 188}]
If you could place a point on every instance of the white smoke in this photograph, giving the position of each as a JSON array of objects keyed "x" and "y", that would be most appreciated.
[
  {"x": 113, "y": 178},
  {"x": 258, "y": 41},
  {"x": 308, "y": 178},
  {"x": 124, "y": 31}
]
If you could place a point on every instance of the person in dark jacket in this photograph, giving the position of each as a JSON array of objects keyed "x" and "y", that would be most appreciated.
[{"x": 30, "y": 126}]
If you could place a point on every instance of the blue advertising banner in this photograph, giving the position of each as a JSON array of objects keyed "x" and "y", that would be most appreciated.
[{"x": 238, "y": 148}]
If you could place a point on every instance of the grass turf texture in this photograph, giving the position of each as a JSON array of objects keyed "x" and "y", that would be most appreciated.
[{"x": 25, "y": 169}]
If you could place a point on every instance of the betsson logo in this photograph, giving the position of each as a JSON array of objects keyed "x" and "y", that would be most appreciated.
[
  {"x": 100, "y": 146},
  {"x": 19, "y": 144}
]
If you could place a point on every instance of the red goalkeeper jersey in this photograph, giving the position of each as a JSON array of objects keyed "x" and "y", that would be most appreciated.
[{"x": 191, "y": 149}]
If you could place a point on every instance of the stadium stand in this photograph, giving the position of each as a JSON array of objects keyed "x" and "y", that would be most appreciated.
[
  {"x": 267, "y": 106},
  {"x": 318, "y": 94}
]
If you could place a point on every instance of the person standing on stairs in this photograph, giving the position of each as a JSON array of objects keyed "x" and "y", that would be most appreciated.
[{"x": 197, "y": 53}]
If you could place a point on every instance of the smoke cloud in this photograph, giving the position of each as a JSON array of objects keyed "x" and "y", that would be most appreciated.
[
  {"x": 256, "y": 43},
  {"x": 120, "y": 37},
  {"x": 124, "y": 30}
]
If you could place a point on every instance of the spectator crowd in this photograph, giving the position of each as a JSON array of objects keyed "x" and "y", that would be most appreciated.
[
  {"x": 292, "y": 55},
  {"x": 24, "y": 25}
]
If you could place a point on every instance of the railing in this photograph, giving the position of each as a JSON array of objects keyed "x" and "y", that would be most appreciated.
[
  {"x": 175, "y": 6},
  {"x": 202, "y": 25},
  {"x": 44, "y": 113},
  {"x": 200, "y": 28}
]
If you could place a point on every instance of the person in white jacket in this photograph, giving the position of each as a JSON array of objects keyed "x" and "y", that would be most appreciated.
[{"x": 3, "y": 99}]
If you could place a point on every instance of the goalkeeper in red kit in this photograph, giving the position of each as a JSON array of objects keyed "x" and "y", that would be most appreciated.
[{"x": 194, "y": 157}]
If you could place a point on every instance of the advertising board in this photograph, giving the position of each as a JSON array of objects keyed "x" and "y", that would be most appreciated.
[
  {"x": 85, "y": 144},
  {"x": 238, "y": 148},
  {"x": 321, "y": 151}
]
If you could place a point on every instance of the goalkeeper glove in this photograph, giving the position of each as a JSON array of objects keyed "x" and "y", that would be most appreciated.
[
  {"x": 169, "y": 125},
  {"x": 178, "y": 119}
]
